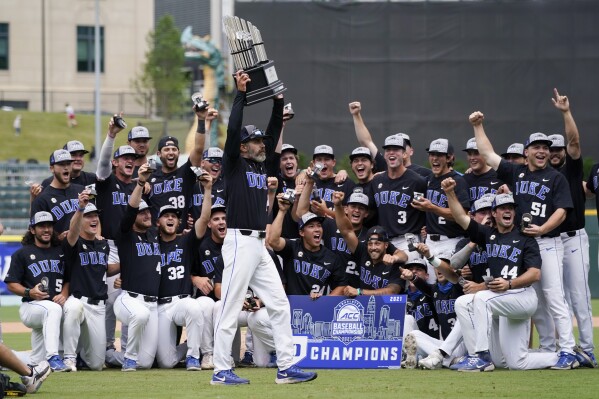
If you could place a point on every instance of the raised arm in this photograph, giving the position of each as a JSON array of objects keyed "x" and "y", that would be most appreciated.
[
  {"x": 485, "y": 148},
  {"x": 343, "y": 223},
  {"x": 275, "y": 241},
  {"x": 275, "y": 124},
  {"x": 75, "y": 225},
  {"x": 573, "y": 138},
  {"x": 231, "y": 151},
  {"x": 362, "y": 134},
  {"x": 459, "y": 215},
  {"x": 104, "y": 168},
  {"x": 200, "y": 225}
]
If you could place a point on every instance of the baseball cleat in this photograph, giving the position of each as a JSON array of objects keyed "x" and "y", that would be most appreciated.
[
  {"x": 476, "y": 363},
  {"x": 39, "y": 373},
  {"x": 460, "y": 362},
  {"x": 71, "y": 363},
  {"x": 294, "y": 375},
  {"x": 272, "y": 363},
  {"x": 591, "y": 356},
  {"x": 129, "y": 365},
  {"x": 247, "y": 361},
  {"x": 207, "y": 363},
  {"x": 57, "y": 365},
  {"x": 433, "y": 361},
  {"x": 567, "y": 361},
  {"x": 585, "y": 359},
  {"x": 410, "y": 347},
  {"x": 227, "y": 377},
  {"x": 192, "y": 363}
]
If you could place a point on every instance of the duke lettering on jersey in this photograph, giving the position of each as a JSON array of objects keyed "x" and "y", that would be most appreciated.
[
  {"x": 92, "y": 258},
  {"x": 198, "y": 199},
  {"x": 393, "y": 198},
  {"x": 46, "y": 266},
  {"x": 338, "y": 244},
  {"x": 312, "y": 270},
  {"x": 437, "y": 198},
  {"x": 501, "y": 251},
  {"x": 119, "y": 198},
  {"x": 168, "y": 186},
  {"x": 147, "y": 249},
  {"x": 170, "y": 257},
  {"x": 421, "y": 311},
  {"x": 68, "y": 206},
  {"x": 478, "y": 191},
  {"x": 256, "y": 180},
  {"x": 478, "y": 258},
  {"x": 372, "y": 280},
  {"x": 209, "y": 265},
  {"x": 445, "y": 306},
  {"x": 532, "y": 188},
  {"x": 326, "y": 194}
]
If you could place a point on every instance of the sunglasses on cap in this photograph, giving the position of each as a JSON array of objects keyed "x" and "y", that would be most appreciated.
[{"x": 214, "y": 160}]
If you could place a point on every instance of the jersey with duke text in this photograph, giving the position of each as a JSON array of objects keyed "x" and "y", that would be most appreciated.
[
  {"x": 112, "y": 199},
  {"x": 477, "y": 261},
  {"x": 509, "y": 255},
  {"x": 479, "y": 185},
  {"x": 84, "y": 179},
  {"x": 178, "y": 256},
  {"x": 30, "y": 263},
  {"x": 173, "y": 188},
  {"x": 326, "y": 188},
  {"x": 573, "y": 172},
  {"x": 86, "y": 265},
  {"x": 197, "y": 198},
  {"x": 375, "y": 276},
  {"x": 593, "y": 185},
  {"x": 393, "y": 198},
  {"x": 444, "y": 296},
  {"x": 140, "y": 257},
  {"x": 422, "y": 308},
  {"x": 204, "y": 265},
  {"x": 434, "y": 193},
  {"x": 333, "y": 240},
  {"x": 308, "y": 272},
  {"x": 61, "y": 203},
  {"x": 539, "y": 192}
]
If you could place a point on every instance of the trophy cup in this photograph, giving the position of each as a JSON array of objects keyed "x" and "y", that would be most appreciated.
[{"x": 247, "y": 50}]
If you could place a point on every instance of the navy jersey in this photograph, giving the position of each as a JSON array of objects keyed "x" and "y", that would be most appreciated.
[
  {"x": 372, "y": 218},
  {"x": 30, "y": 263},
  {"x": 140, "y": 257},
  {"x": 477, "y": 261},
  {"x": 86, "y": 265},
  {"x": 173, "y": 188},
  {"x": 573, "y": 172},
  {"x": 333, "y": 240},
  {"x": 479, "y": 185},
  {"x": 509, "y": 255},
  {"x": 61, "y": 203},
  {"x": 204, "y": 265},
  {"x": 539, "y": 193},
  {"x": 593, "y": 185},
  {"x": 393, "y": 198},
  {"x": 379, "y": 164},
  {"x": 247, "y": 189},
  {"x": 177, "y": 256},
  {"x": 307, "y": 272},
  {"x": 84, "y": 179},
  {"x": 112, "y": 199},
  {"x": 379, "y": 275},
  {"x": 197, "y": 197},
  {"x": 422, "y": 308},
  {"x": 326, "y": 188},
  {"x": 443, "y": 296},
  {"x": 434, "y": 193},
  {"x": 421, "y": 170}
]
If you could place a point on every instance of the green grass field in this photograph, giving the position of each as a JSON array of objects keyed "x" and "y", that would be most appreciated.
[{"x": 346, "y": 384}]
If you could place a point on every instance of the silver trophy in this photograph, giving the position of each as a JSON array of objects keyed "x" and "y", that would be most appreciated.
[{"x": 247, "y": 50}]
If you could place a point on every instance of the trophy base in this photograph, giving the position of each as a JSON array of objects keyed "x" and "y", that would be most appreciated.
[{"x": 264, "y": 83}]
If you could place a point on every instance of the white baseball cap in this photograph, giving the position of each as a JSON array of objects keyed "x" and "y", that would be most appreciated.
[
  {"x": 360, "y": 152},
  {"x": 42, "y": 217},
  {"x": 308, "y": 217},
  {"x": 441, "y": 146},
  {"x": 557, "y": 141},
  {"x": 514, "y": 149},
  {"x": 484, "y": 202},
  {"x": 74, "y": 146},
  {"x": 288, "y": 147},
  {"x": 60, "y": 156},
  {"x": 503, "y": 199},
  {"x": 139, "y": 132},
  {"x": 538, "y": 137},
  {"x": 471, "y": 145},
  {"x": 358, "y": 198},
  {"x": 323, "y": 150},
  {"x": 394, "y": 140}
]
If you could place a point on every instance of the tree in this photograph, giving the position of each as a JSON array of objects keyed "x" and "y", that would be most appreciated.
[{"x": 162, "y": 81}]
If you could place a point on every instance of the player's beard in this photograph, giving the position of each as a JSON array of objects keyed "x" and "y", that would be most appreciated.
[{"x": 257, "y": 156}]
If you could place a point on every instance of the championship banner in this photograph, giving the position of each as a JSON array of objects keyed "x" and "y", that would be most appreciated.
[
  {"x": 6, "y": 251},
  {"x": 336, "y": 332}
]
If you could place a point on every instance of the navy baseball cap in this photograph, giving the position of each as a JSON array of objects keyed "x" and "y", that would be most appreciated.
[
  {"x": 125, "y": 150},
  {"x": 514, "y": 149},
  {"x": 557, "y": 141},
  {"x": 59, "y": 156},
  {"x": 168, "y": 141},
  {"x": 218, "y": 208},
  {"x": 42, "y": 217},
  {"x": 251, "y": 132},
  {"x": 309, "y": 217},
  {"x": 168, "y": 209},
  {"x": 75, "y": 146},
  {"x": 288, "y": 147},
  {"x": 503, "y": 199},
  {"x": 360, "y": 152},
  {"x": 139, "y": 132},
  {"x": 538, "y": 138},
  {"x": 379, "y": 231}
]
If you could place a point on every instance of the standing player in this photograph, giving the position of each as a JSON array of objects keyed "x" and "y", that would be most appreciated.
[
  {"x": 482, "y": 179},
  {"x": 212, "y": 161},
  {"x": 86, "y": 260},
  {"x": 325, "y": 182},
  {"x": 442, "y": 232},
  {"x": 515, "y": 154},
  {"x": 40, "y": 258},
  {"x": 139, "y": 252},
  {"x": 139, "y": 139},
  {"x": 542, "y": 192},
  {"x": 176, "y": 307},
  {"x": 246, "y": 259},
  {"x": 288, "y": 171},
  {"x": 60, "y": 197},
  {"x": 566, "y": 157},
  {"x": 78, "y": 175}
]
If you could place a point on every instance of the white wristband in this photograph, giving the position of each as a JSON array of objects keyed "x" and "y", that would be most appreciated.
[{"x": 433, "y": 260}]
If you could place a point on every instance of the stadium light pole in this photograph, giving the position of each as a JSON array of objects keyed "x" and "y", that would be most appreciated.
[{"x": 97, "y": 105}]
